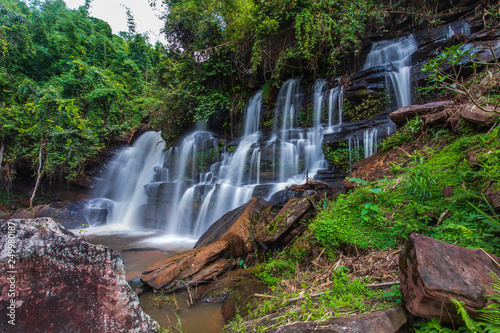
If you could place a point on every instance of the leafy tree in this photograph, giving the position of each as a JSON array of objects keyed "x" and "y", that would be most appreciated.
[{"x": 68, "y": 87}]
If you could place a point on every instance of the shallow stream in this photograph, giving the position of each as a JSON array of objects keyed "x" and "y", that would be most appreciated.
[{"x": 140, "y": 249}]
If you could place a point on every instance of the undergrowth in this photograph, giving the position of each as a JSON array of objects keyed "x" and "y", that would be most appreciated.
[{"x": 411, "y": 200}]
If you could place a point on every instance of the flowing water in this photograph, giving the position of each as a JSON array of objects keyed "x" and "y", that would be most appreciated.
[
  {"x": 140, "y": 249},
  {"x": 186, "y": 188},
  {"x": 395, "y": 56}
]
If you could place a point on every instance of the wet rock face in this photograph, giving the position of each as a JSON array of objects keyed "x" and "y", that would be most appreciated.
[
  {"x": 433, "y": 272},
  {"x": 59, "y": 282}
]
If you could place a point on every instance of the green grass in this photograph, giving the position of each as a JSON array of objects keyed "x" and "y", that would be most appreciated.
[{"x": 469, "y": 164}]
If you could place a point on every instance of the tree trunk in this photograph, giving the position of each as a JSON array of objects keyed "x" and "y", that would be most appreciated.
[
  {"x": 38, "y": 174},
  {"x": 1, "y": 154}
]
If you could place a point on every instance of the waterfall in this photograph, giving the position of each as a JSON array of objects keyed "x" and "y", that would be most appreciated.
[
  {"x": 395, "y": 56},
  {"x": 185, "y": 189},
  {"x": 252, "y": 114},
  {"x": 335, "y": 101},
  {"x": 460, "y": 27},
  {"x": 120, "y": 193}
]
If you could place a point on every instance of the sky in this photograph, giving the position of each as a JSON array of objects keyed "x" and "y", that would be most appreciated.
[{"x": 114, "y": 12}]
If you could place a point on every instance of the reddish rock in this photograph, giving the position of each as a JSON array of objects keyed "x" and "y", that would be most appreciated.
[
  {"x": 235, "y": 228},
  {"x": 181, "y": 266},
  {"x": 295, "y": 210},
  {"x": 62, "y": 283},
  {"x": 212, "y": 271},
  {"x": 473, "y": 114},
  {"x": 402, "y": 115},
  {"x": 433, "y": 272}
]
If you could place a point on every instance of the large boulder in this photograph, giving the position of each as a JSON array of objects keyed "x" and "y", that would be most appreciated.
[
  {"x": 186, "y": 266},
  {"x": 235, "y": 228},
  {"x": 433, "y": 272},
  {"x": 54, "y": 281},
  {"x": 475, "y": 115}
]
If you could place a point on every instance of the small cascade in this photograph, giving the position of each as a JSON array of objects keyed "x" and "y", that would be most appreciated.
[
  {"x": 252, "y": 114},
  {"x": 460, "y": 27},
  {"x": 364, "y": 143},
  {"x": 395, "y": 56},
  {"x": 335, "y": 101}
]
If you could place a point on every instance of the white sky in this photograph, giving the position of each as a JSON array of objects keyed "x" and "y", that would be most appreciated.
[{"x": 114, "y": 12}]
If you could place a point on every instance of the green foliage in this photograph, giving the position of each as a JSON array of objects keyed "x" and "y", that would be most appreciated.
[
  {"x": 342, "y": 158},
  {"x": 403, "y": 135},
  {"x": 414, "y": 202},
  {"x": 272, "y": 272},
  {"x": 419, "y": 183},
  {"x": 349, "y": 220},
  {"x": 490, "y": 314},
  {"x": 434, "y": 326},
  {"x": 367, "y": 108},
  {"x": 68, "y": 86},
  {"x": 345, "y": 295}
]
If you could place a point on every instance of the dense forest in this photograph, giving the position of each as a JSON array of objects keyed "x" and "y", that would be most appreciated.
[{"x": 69, "y": 87}]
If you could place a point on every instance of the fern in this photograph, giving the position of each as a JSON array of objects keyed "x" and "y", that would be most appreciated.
[
  {"x": 471, "y": 324},
  {"x": 491, "y": 313}
]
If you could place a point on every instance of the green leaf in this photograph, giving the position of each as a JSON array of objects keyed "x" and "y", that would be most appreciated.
[{"x": 358, "y": 180}]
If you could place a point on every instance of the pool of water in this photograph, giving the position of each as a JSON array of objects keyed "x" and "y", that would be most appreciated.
[{"x": 140, "y": 249}]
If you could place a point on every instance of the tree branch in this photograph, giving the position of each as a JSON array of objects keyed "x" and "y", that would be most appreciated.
[{"x": 38, "y": 172}]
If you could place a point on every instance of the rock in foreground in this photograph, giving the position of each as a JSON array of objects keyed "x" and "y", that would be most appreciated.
[
  {"x": 433, "y": 272},
  {"x": 62, "y": 283}
]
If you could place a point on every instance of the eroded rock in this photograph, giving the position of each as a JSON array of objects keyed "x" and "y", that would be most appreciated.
[
  {"x": 477, "y": 116},
  {"x": 182, "y": 266},
  {"x": 62, "y": 283},
  {"x": 235, "y": 228},
  {"x": 433, "y": 272}
]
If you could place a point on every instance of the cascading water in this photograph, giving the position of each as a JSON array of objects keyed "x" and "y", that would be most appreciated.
[
  {"x": 120, "y": 192},
  {"x": 335, "y": 101},
  {"x": 395, "y": 56},
  {"x": 188, "y": 187},
  {"x": 460, "y": 27}
]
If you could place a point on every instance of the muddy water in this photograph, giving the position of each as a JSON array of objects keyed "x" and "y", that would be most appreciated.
[{"x": 141, "y": 249}]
